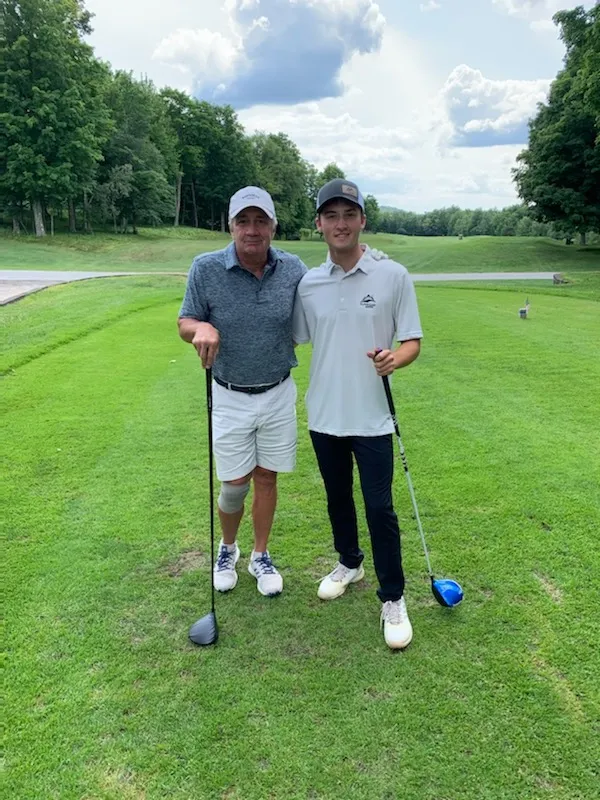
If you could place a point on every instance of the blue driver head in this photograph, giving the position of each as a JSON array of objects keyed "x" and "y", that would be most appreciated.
[{"x": 447, "y": 592}]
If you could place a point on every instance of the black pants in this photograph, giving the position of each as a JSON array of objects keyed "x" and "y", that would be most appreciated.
[{"x": 375, "y": 460}]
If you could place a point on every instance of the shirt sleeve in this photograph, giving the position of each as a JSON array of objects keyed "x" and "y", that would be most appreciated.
[
  {"x": 195, "y": 304},
  {"x": 300, "y": 332},
  {"x": 406, "y": 310}
]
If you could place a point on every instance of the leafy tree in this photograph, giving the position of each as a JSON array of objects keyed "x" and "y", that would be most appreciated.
[
  {"x": 144, "y": 141},
  {"x": 54, "y": 120},
  {"x": 283, "y": 173},
  {"x": 373, "y": 214},
  {"x": 559, "y": 173},
  {"x": 230, "y": 162},
  {"x": 330, "y": 172}
]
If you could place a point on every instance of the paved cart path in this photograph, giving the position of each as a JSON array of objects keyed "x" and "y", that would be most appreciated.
[{"x": 18, "y": 283}]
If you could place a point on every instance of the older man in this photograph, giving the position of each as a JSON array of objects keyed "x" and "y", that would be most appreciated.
[{"x": 237, "y": 313}]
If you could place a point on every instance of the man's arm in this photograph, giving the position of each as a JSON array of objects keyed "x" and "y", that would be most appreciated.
[
  {"x": 203, "y": 336},
  {"x": 194, "y": 314},
  {"x": 386, "y": 361}
]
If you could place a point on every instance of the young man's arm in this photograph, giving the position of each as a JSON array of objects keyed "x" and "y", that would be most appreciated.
[
  {"x": 408, "y": 330},
  {"x": 386, "y": 361}
]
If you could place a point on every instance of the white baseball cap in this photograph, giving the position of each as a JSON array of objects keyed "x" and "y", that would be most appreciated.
[{"x": 251, "y": 197}]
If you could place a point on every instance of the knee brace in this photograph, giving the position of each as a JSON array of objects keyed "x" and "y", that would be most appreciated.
[{"x": 232, "y": 496}]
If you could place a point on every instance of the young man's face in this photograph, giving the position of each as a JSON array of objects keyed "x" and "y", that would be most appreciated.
[
  {"x": 341, "y": 223},
  {"x": 252, "y": 231}
]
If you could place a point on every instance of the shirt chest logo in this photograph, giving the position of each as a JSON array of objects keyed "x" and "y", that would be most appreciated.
[{"x": 368, "y": 301}]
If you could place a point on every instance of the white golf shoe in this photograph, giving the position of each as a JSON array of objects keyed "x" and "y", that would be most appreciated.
[
  {"x": 335, "y": 584},
  {"x": 268, "y": 580},
  {"x": 224, "y": 575},
  {"x": 397, "y": 630}
]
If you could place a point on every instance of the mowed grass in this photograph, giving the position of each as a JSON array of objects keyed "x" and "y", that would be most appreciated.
[
  {"x": 104, "y": 437},
  {"x": 172, "y": 251}
]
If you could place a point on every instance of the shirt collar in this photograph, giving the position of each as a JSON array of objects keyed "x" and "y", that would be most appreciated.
[
  {"x": 231, "y": 257},
  {"x": 364, "y": 264}
]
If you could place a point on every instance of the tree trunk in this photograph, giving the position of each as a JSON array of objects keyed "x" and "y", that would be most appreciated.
[
  {"x": 38, "y": 218},
  {"x": 178, "y": 199},
  {"x": 72, "y": 217},
  {"x": 582, "y": 239},
  {"x": 16, "y": 226},
  {"x": 223, "y": 228},
  {"x": 51, "y": 223},
  {"x": 86, "y": 213},
  {"x": 114, "y": 216},
  {"x": 212, "y": 215},
  {"x": 194, "y": 205}
]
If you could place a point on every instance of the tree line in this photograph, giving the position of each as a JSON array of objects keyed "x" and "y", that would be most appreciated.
[{"x": 88, "y": 147}]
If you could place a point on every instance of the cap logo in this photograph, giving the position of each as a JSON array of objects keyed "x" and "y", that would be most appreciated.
[
  {"x": 249, "y": 195},
  {"x": 347, "y": 189}
]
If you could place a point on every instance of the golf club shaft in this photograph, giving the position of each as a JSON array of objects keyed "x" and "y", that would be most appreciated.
[
  {"x": 211, "y": 489},
  {"x": 392, "y": 408}
]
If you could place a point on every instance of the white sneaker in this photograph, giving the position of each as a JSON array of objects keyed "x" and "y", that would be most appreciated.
[
  {"x": 224, "y": 575},
  {"x": 397, "y": 630},
  {"x": 268, "y": 581},
  {"x": 335, "y": 584}
]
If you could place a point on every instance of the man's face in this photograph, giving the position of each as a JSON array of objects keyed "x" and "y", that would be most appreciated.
[
  {"x": 341, "y": 223},
  {"x": 252, "y": 232}
]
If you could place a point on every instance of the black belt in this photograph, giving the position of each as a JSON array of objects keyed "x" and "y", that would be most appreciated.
[{"x": 250, "y": 389}]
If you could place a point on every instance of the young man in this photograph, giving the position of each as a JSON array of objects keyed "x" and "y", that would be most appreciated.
[
  {"x": 352, "y": 308},
  {"x": 237, "y": 313}
]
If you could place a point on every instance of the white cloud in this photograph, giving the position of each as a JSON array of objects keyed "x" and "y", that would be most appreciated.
[
  {"x": 277, "y": 51},
  {"x": 201, "y": 50},
  {"x": 538, "y": 13},
  {"x": 483, "y": 112},
  {"x": 430, "y": 5}
]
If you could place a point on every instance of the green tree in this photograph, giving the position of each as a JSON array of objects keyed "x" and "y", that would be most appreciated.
[
  {"x": 283, "y": 173},
  {"x": 329, "y": 173},
  {"x": 373, "y": 214},
  {"x": 558, "y": 175},
  {"x": 54, "y": 119},
  {"x": 143, "y": 140},
  {"x": 230, "y": 162}
]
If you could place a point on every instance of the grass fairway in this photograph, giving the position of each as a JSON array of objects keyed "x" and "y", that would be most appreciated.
[
  {"x": 107, "y": 521},
  {"x": 172, "y": 251}
]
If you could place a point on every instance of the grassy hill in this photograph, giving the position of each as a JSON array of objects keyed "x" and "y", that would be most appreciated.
[{"x": 169, "y": 250}]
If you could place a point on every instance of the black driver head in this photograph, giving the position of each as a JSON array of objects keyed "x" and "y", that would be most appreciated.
[{"x": 205, "y": 631}]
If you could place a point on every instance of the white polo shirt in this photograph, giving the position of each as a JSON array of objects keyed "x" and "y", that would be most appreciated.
[{"x": 345, "y": 315}]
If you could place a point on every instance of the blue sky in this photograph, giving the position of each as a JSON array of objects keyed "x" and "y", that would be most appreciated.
[{"x": 423, "y": 102}]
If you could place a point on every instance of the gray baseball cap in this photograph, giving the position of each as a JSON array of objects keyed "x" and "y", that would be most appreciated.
[{"x": 340, "y": 189}]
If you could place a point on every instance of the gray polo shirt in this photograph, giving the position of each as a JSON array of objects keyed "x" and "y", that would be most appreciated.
[
  {"x": 253, "y": 316},
  {"x": 345, "y": 315}
]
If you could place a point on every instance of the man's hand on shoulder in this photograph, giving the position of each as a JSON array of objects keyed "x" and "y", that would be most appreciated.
[{"x": 378, "y": 255}]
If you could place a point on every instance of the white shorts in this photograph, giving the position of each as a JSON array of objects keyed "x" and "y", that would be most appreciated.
[{"x": 254, "y": 430}]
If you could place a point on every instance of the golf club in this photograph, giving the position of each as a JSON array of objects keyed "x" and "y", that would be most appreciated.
[
  {"x": 206, "y": 631},
  {"x": 446, "y": 591}
]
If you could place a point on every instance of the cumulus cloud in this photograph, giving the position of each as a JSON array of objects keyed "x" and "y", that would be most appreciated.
[
  {"x": 277, "y": 51},
  {"x": 200, "y": 51},
  {"x": 483, "y": 112},
  {"x": 430, "y": 5},
  {"x": 360, "y": 150},
  {"x": 538, "y": 13}
]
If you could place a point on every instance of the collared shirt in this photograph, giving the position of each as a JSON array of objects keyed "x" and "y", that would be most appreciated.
[
  {"x": 345, "y": 315},
  {"x": 253, "y": 315}
]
